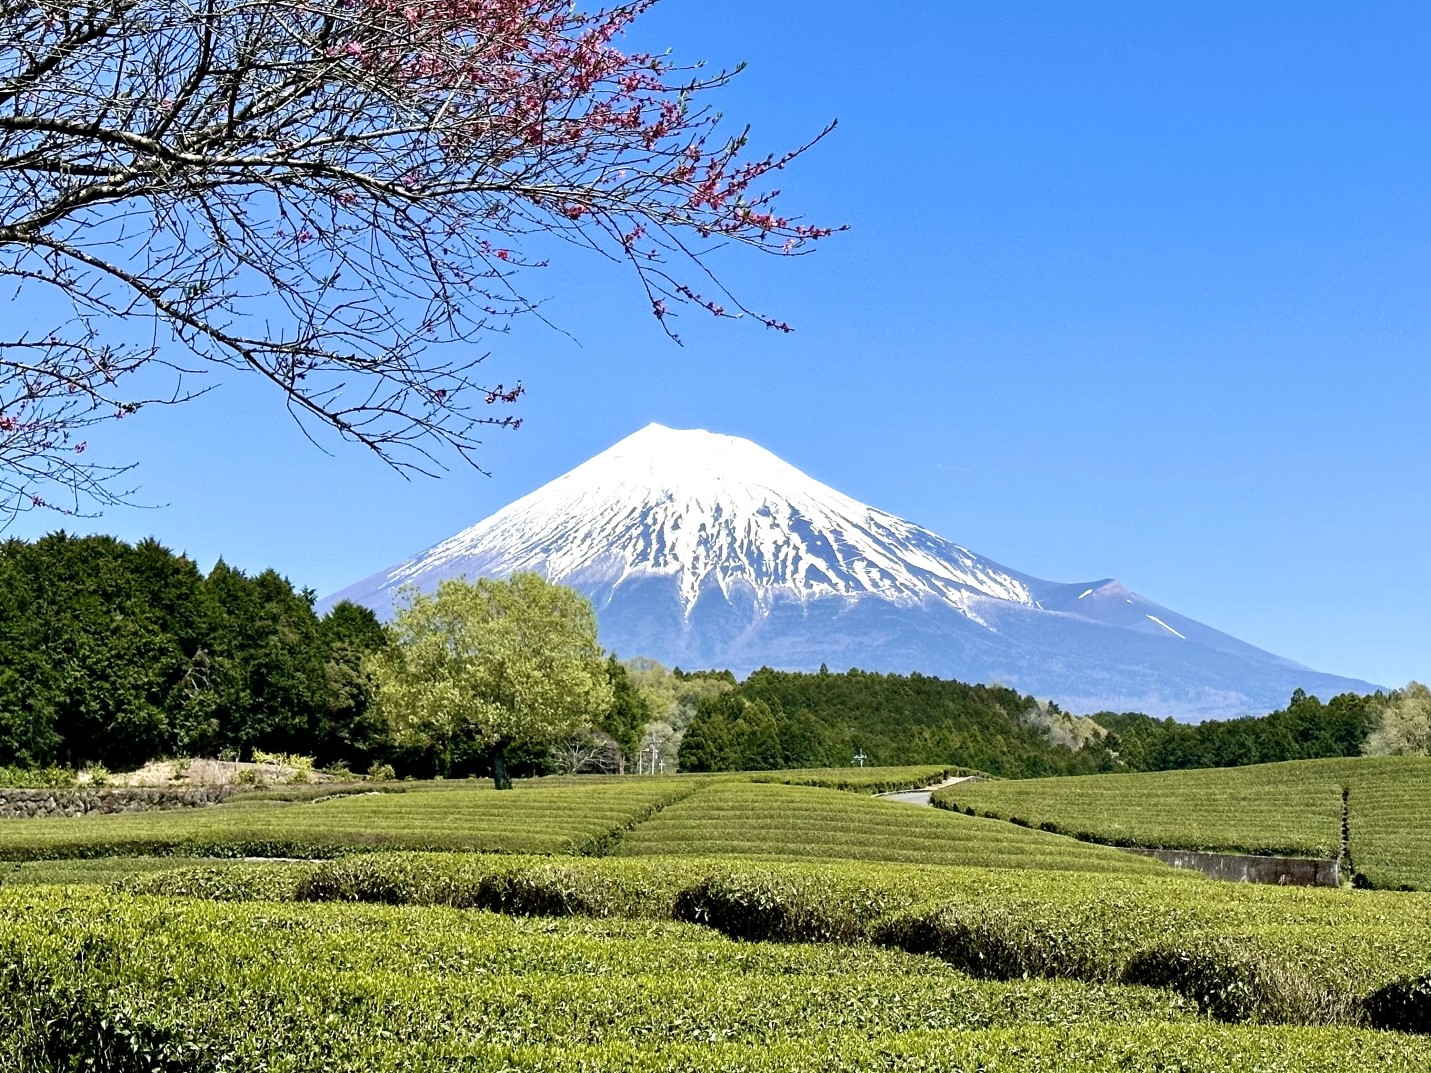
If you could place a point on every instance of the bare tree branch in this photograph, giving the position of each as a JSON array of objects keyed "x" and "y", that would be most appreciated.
[{"x": 333, "y": 195}]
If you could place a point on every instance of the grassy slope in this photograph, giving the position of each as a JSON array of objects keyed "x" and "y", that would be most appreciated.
[{"x": 1291, "y": 808}]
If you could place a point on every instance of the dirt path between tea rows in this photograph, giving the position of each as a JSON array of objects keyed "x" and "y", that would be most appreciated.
[{"x": 923, "y": 797}]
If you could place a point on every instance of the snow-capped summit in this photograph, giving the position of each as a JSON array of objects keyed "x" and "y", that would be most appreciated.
[
  {"x": 707, "y": 550},
  {"x": 704, "y": 509}
]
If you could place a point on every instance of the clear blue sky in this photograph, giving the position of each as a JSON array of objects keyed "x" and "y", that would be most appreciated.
[{"x": 1133, "y": 290}]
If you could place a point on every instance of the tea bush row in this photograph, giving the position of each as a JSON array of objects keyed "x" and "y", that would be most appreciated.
[
  {"x": 745, "y": 819},
  {"x": 690, "y": 817},
  {"x": 1291, "y": 808},
  {"x": 1389, "y": 822},
  {"x": 1239, "y": 952},
  {"x": 870, "y": 780},
  {"x": 129, "y": 984},
  {"x": 138, "y": 985},
  {"x": 544, "y": 819},
  {"x": 1282, "y": 809}
]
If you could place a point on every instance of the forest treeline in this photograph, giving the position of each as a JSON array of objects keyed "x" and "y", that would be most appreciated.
[
  {"x": 782, "y": 719},
  {"x": 119, "y": 654},
  {"x": 777, "y": 719},
  {"x": 1306, "y": 729}
]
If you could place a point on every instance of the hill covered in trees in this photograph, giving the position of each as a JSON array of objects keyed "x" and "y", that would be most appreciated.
[
  {"x": 780, "y": 719},
  {"x": 777, "y": 719}
]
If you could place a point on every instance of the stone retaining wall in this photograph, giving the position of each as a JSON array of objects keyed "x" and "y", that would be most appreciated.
[
  {"x": 1245, "y": 868},
  {"x": 29, "y": 804}
]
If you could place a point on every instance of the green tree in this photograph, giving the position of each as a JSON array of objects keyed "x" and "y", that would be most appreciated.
[
  {"x": 730, "y": 733},
  {"x": 628, "y": 714},
  {"x": 483, "y": 667},
  {"x": 1404, "y": 728},
  {"x": 267, "y": 669},
  {"x": 347, "y": 727}
]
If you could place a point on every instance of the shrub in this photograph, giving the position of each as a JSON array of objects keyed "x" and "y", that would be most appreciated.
[
  {"x": 1403, "y": 1005},
  {"x": 991, "y": 943},
  {"x": 768, "y": 906},
  {"x": 47, "y": 778}
]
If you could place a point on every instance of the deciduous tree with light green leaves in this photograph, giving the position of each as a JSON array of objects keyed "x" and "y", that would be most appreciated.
[
  {"x": 479, "y": 667},
  {"x": 1404, "y": 726}
]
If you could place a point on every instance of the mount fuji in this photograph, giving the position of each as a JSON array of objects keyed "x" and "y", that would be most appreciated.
[{"x": 703, "y": 550}]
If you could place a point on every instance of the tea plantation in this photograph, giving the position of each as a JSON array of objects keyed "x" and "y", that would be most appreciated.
[
  {"x": 1294, "y": 808},
  {"x": 700, "y": 924}
]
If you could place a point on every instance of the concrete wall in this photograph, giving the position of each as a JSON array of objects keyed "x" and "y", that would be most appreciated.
[
  {"x": 27, "y": 804},
  {"x": 1245, "y": 868}
]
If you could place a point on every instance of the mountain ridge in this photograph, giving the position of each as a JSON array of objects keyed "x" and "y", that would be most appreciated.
[{"x": 704, "y": 549}]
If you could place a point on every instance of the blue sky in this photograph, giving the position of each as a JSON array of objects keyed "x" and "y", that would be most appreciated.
[{"x": 1132, "y": 290}]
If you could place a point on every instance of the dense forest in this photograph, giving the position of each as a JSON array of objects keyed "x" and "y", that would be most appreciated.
[
  {"x": 783, "y": 719},
  {"x": 119, "y": 654},
  {"x": 1306, "y": 729},
  {"x": 780, "y": 719}
]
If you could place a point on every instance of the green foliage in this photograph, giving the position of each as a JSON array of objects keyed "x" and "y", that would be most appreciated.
[
  {"x": 943, "y": 939},
  {"x": 1403, "y": 726},
  {"x": 1403, "y": 1005},
  {"x": 1389, "y": 821},
  {"x": 129, "y": 984},
  {"x": 479, "y": 668},
  {"x": 916, "y": 719},
  {"x": 533, "y": 819},
  {"x": 629, "y": 711},
  {"x": 1232, "y": 951},
  {"x": 1305, "y": 730},
  {"x": 303, "y": 764},
  {"x": 117, "y": 654},
  {"x": 866, "y": 780},
  {"x": 46, "y": 778},
  {"x": 762, "y": 820},
  {"x": 1292, "y": 808},
  {"x": 107, "y": 870},
  {"x": 730, "y": 733}
]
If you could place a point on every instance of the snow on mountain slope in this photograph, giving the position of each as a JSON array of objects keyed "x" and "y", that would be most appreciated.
[
  {"x": 707, "y": 550},
  {"x": 699, "y": 507}
]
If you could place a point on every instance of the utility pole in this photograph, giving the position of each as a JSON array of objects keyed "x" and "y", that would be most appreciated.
[{"x": 860, "y": 758}]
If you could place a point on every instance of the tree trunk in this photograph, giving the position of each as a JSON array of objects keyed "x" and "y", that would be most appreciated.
[{"x": 500, "y": 779}]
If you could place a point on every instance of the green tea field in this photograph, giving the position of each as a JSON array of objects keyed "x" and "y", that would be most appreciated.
[
  {"x": 704, "y": 924},
  {"x": 1292, "y": 808}
]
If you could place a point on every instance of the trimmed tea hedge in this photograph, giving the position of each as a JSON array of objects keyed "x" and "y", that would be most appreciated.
[
  {"x": 129, "y": 984},
  {"x": 869, "y": 780},
  {"x": 531, "y": 819},
  {"x": 1238, "y": 952},
  {"x": 1283, "y": 809},
  {"x": 740, "y": 818}
]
